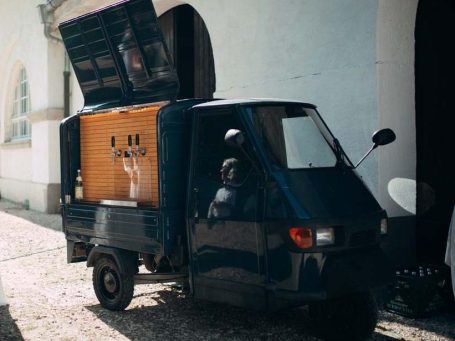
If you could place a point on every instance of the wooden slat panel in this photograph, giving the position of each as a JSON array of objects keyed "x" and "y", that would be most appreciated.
[{"x": 104, "y": 179}]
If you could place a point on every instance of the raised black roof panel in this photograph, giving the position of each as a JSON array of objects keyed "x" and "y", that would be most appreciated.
[{"x": 119, "y": 56}]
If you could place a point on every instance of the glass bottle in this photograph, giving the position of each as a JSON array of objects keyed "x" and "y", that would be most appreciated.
[{"x": 78, "y": 188}]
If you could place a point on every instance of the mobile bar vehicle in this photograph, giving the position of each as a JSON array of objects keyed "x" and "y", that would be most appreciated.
[{"x": 250, "y": 202}]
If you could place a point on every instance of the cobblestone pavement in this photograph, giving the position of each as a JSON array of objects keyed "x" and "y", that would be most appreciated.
[{"x": 52, "y": 300}]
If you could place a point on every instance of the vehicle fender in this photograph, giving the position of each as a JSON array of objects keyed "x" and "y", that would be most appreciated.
[
  {"x": 125, "y": 260},
  {"x": 359, "y": 271}
]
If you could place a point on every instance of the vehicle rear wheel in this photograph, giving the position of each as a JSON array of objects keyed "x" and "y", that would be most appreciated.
[
  {"x": 353, "y": 317},
  {"x": 113, "y": 289}
]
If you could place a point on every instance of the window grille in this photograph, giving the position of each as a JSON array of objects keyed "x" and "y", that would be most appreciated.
[{"x": 21, "y": 107}]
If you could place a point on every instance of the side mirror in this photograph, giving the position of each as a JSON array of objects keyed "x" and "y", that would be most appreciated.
[
  {"x": 234, "y": 137},
  {"x": 383, "y": 137},
  {"x": 379, "y": 138}
]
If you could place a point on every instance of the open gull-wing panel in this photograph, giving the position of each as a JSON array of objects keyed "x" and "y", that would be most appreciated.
[{"x": 119, "y": 56}]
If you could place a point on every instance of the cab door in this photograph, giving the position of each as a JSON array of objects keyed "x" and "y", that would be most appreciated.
[{"x": 225, "y": 230}]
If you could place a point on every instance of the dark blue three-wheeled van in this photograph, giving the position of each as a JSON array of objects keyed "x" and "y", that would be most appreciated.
[{"x": 250, "y": 202}]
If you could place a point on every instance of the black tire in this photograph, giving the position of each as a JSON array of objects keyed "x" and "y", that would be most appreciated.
[
  {"x": 353, "y": 317},
  {"x": 113, "y": 289}
]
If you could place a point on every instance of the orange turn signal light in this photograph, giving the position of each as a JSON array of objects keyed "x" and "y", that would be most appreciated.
[{"x": 301, "y": 236}]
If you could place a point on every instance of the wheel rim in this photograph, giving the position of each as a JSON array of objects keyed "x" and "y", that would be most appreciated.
[{"x": 110, "y": 282}]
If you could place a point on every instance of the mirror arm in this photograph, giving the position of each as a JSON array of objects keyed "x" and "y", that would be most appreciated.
[
  {"x": 364, "y": 157},
  {"x": 253, "y": 163}
]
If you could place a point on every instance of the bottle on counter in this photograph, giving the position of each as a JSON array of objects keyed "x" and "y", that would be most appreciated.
[{"x": 78, "y": 188}]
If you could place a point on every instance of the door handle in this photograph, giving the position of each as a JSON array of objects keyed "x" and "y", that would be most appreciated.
[{"x": 195, "y": 205}]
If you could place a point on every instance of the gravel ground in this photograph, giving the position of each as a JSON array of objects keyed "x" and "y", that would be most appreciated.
[{"x": 52, "y": 300}]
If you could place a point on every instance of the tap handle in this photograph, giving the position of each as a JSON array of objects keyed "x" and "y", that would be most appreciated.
[
  {"x": 137, "y": 139},
  {"x": 130, "y": 142},
  {"x": 112, "y": 141}
]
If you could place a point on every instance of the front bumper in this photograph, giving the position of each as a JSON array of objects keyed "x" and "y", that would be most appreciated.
[{"x": 339, "y": 274}]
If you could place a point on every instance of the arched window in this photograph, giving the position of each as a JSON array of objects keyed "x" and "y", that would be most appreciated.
[{"x": 20, "y": 126}]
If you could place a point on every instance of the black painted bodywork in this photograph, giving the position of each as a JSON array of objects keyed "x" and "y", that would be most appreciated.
[
  {"x": 251, "y": 263},
  {"x": 255, "y": 264}
]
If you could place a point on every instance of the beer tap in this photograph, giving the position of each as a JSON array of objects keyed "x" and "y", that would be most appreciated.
[
  {"x": 129, "y": 153},
  {"x": 139, "y": 151},
  {"x": 137, "y": 146},
  {"x": 114, "y": 152}
]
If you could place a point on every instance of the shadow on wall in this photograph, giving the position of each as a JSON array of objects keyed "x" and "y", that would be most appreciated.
[
  {"x": 400, "y": 243},
  {"x": 8, "y": 327}
]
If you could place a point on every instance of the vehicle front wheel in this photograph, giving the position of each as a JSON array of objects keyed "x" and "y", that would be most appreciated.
[
  {"x": 352, "y": 317},
  {"x": 113, "y": 289}
]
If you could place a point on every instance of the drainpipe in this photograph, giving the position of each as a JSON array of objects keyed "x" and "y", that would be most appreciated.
[{"x": 46, "y": 12}]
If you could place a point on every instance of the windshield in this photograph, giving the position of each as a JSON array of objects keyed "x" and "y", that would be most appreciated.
[{"x": 293, "y": 136}]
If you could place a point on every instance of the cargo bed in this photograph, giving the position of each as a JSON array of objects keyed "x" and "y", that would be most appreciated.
[{"x": 132, "y": 228}]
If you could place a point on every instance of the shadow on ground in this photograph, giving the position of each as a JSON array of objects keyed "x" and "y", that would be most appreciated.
[
  {"x": 8, "y": 327},
  {"x": 172, "y": 315},
  {"x": 50, "y": 221}
]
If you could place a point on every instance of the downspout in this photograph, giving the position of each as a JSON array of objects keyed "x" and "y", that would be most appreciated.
[{"x": 46, "y": 12}]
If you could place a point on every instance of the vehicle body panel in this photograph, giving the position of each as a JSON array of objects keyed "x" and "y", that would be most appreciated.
[
  {"x": 257, "y": 262},
  {"x": 239, "y": 254}
]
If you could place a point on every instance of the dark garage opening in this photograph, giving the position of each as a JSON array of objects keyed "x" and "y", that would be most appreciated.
[
  {"x": 189, "y": 44},
  {"x": 435, "y": 75}
]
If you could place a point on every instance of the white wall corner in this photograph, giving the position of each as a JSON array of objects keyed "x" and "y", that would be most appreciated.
[
  {"x": 46, "y": 145},
  {"x": 396, "y": 104}
]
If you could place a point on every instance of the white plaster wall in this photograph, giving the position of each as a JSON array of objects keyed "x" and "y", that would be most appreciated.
[
  {"x": 46, "y": 152},
  {"x": 22, "y": 39},
  {"x": 26, "y": 168},
  {"x": 16, "y": 162},
  {"x": 40, "y": 155},
  {"x": 56, "y": 63},
  {"x": 19, "y": 191},
  {"x": 21, "y": 43},
  {"x": 54, "y": 151},
  {"x": 76, "y": 97},
  {"x": 396, "y": 103},
  {"x": 322, "y": 52}
]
